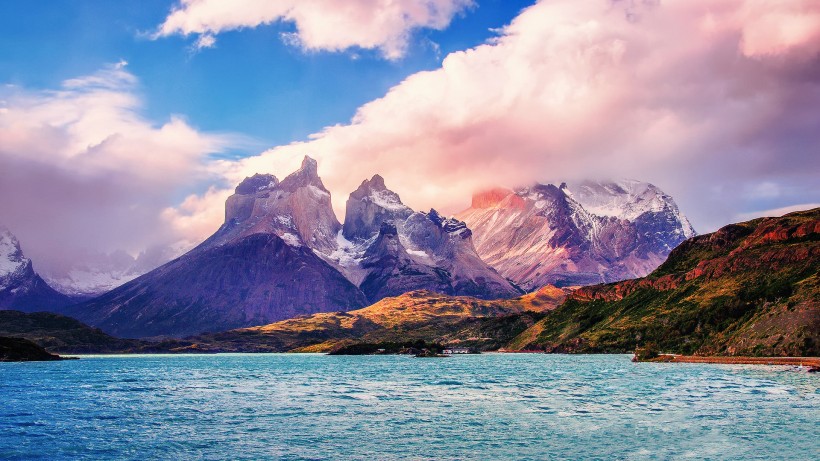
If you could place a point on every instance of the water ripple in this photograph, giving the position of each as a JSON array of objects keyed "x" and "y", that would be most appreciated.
[{"x": 492, "y": 406}]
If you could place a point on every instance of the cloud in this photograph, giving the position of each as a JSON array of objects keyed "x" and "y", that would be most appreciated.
[
  {"x": 707, "y": 100},
  {"x": 321, "y": 25},
  {"x": 83, "y": 170}
]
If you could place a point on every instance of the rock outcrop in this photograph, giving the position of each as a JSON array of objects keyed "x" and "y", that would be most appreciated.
[{"x": 23, "y": 350}]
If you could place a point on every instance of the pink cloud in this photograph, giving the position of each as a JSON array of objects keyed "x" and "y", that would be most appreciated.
[{"x": 83, "y": 170}]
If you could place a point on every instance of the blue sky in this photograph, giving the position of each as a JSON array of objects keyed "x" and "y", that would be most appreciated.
[{"x": 251, "y": 82}]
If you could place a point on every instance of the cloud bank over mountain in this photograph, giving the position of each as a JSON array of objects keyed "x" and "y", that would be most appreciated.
[
  {"x": 715, "y": 103},
  {"x": 82, "y": 169}
]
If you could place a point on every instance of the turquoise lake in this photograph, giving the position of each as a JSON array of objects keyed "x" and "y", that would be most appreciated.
[{"x": 483, "y": 407}]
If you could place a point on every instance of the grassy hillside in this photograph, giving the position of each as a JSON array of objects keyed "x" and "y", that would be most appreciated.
[{"x": 748, "y": 289}]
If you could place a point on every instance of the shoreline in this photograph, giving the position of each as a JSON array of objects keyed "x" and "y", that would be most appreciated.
[{"x": 795, "y": 361}]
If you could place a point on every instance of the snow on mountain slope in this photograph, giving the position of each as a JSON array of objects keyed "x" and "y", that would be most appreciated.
[
  {"x": 584, "y": 233},
  {"x": 625, "y": 199},
  {"x": 20, "y": 287},
  {"x": 12, "y": 260}
]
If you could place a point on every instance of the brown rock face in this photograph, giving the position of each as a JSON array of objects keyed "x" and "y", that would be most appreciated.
[{"x": 297, "y": 209}]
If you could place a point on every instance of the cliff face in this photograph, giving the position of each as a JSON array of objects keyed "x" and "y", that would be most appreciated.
[
  {"x": 748, "y": 289},
  {"x": 577, "y": 234}
]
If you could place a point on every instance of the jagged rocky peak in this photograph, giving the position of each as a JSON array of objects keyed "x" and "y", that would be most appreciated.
[
  {"x": 239, "y": 206},
  {"x": 257, "y": 183},
  {"x": 307, "y": 175},
  {"x": 297, "y": 209},
  {"x": 12, "y": 260},
  {"x": 369, "y": 206},
  {"x": 449, "y": 225},
  {"x": 20, "y": 287}
]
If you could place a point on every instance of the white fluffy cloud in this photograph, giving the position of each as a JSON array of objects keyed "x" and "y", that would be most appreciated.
[
  {"x": 82, "y": 169},
  {"x": 706, "y": 99},
  {"x": 329, "y": 25}
]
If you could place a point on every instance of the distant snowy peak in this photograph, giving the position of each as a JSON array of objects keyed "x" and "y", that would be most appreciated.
[
  {"x": 12, "y": 260},
  {"x": 625, "y": 199},
  {"x": 575, "y": 234}
]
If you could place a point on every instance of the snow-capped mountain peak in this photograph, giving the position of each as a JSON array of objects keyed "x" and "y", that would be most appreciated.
[
  {"x": 20, "y": 287},
  {"x": 12, "y": 260},
  {"x": 577, "y": 233},
  {"x": 625, "y": 199}
]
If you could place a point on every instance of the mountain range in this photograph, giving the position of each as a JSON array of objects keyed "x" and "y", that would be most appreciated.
[
  {"x": 281, "y": 253},
  {"x": 748, "y": 289}
]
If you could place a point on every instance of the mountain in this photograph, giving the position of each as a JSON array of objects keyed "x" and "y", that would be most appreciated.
[
  {"x": 259, "y": 267},
  {"x": 576, "y": 234},
  {"x": 417, "y": 315},
  {"x": 388, "y": 249},
  {"x": 748, "y": 289},
  {"x": 20, "y": 287},
  {"x": 281, "y": 252}
]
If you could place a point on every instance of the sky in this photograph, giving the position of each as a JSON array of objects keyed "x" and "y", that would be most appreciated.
[{"x": 125, "y": 125}]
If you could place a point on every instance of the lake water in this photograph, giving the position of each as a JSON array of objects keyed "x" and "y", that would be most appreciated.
[{"x": 486, "y": 407}]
